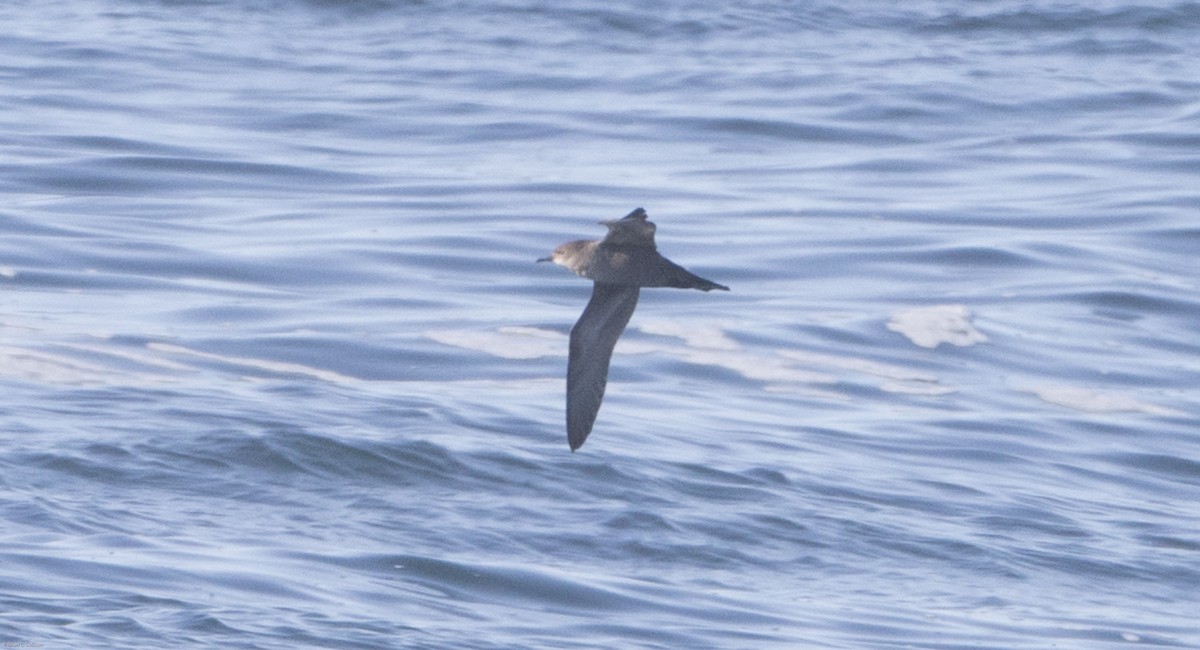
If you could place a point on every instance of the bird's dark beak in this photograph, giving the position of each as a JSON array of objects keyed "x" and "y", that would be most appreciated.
[{"x": 544, "y": 259}]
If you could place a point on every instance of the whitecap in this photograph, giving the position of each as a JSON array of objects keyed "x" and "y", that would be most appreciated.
[
  {"x": 931, "y": 326},
  {"x": 1097, "y": 401}
]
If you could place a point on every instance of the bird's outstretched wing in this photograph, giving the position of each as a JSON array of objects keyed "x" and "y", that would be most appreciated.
[
  {"x": 592, "y": 342},
  {"x": 658, "y": 271}
]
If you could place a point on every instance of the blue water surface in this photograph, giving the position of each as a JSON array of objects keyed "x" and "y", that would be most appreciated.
[{"x": 279, "y": 369}]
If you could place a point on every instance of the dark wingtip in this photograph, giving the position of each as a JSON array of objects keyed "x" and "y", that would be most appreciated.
[
  {"x": 638, "y": 213},
  {"x": 709, "y": 285},
  {"x": 576, "y": 436}
]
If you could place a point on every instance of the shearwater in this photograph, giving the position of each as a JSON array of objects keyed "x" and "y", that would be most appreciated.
[{"x": 620, "y": 265}]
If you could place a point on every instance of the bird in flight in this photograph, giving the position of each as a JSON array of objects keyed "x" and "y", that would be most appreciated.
[{"x": 620, "y": 265}]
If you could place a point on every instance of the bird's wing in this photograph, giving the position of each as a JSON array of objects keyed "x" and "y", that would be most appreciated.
[
  {"x": 592, "y": 341},
  {"x": 662, "y": 272}
]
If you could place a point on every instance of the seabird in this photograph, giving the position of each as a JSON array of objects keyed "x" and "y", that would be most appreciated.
[{"x": 620, "y": 265}]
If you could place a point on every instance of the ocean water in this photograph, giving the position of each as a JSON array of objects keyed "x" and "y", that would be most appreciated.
[{"x": 279, "y": 369}]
